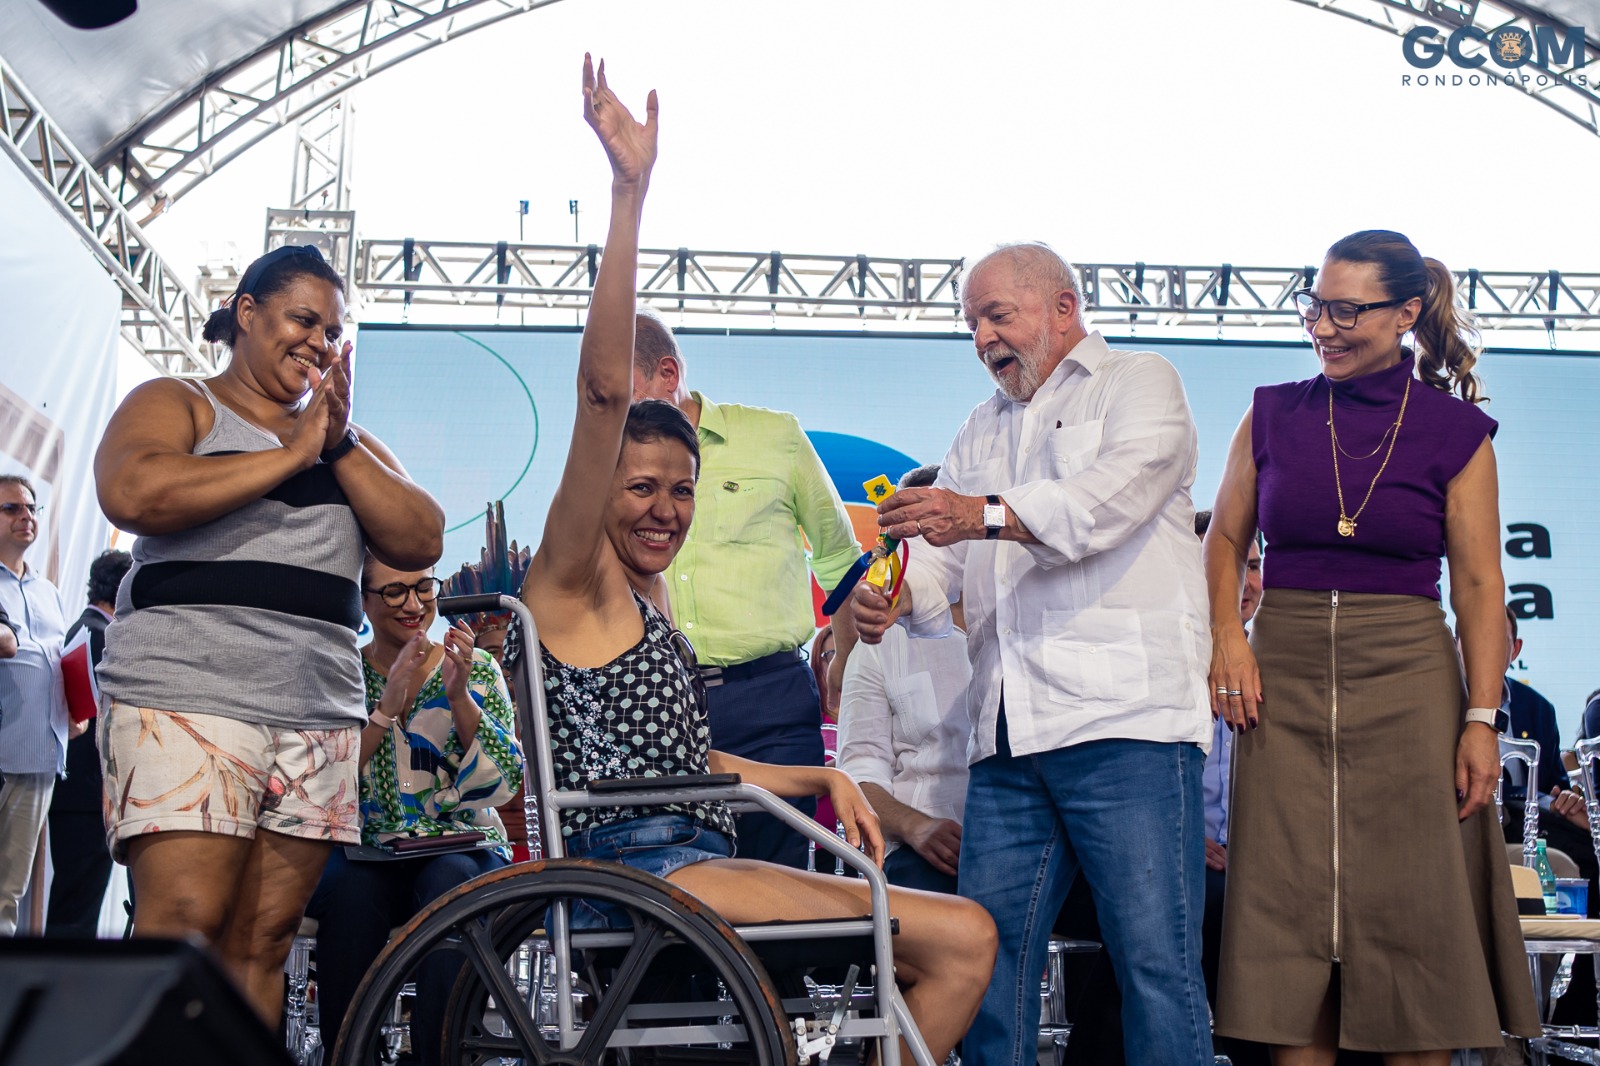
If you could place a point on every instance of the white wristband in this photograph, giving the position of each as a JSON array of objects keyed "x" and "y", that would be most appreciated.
[
  {"x": 381, "y": 720},
  {"x": 1484, "y": 715}
]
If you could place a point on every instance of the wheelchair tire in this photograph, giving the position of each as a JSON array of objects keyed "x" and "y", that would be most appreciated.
[{"x": 488, "y": 919}]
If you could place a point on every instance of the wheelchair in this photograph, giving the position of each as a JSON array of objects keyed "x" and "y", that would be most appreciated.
[{"x": 662, "y": 979}]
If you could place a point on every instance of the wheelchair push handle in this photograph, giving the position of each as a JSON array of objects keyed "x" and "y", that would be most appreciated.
[{"x": 478, "y": 603}]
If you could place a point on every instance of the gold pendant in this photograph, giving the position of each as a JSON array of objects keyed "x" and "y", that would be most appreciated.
[{"x": 1347, "y": 526}]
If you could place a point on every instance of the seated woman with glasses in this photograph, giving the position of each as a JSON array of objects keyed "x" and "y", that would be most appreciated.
[
  {"x": 1369, "y": 904},
  {"x": 622, "y": 696},
  {"x": 438, "y": 753}
]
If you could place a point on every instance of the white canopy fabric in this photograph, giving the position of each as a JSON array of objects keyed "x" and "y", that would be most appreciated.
[{"x": 101, "y": 85}]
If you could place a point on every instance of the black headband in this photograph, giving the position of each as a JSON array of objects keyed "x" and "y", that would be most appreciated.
[{"x": 253, "y": 274}]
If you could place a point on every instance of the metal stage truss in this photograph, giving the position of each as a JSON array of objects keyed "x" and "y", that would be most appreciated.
[
  {"x": 1571, "y": 82},
  {"x": 485, "y": 279},
  {"x": 161, "y": 318},
  {"x": 301, "y": 78},
  {"x": 304, "y": 71}
]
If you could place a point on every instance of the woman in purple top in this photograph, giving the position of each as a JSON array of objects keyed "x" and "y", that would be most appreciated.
[{"x": 1369, "y": 902}]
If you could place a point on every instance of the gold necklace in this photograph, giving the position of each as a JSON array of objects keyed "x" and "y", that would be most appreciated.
[
  {"x": 1381, "y": 442},
  {"x": 1347, "y": 523}
]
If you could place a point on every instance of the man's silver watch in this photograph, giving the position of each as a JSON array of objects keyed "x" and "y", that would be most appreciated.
[{"x": 994, "y": 517}]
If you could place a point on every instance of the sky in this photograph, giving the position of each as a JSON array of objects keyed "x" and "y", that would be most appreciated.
[{"x": 1254, "y": 132}]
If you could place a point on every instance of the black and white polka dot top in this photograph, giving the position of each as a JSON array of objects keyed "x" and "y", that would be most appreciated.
[{"x": 637, "y": 716}]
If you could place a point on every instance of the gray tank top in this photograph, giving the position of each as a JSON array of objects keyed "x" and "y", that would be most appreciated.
[{"x": 251, "y": 616}]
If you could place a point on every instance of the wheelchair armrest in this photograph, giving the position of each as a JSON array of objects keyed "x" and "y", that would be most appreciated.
[
  {"x": 477, "y": 603},
  {"x": 662, "y": 784}
]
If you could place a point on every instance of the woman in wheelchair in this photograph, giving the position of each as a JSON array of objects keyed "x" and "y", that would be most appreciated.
[
  {"x": 438, "y": 753},
  {"x": 619, "y": 681}
]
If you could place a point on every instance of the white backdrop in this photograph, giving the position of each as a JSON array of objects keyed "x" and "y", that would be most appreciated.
[{"x": 58, "y": 346}]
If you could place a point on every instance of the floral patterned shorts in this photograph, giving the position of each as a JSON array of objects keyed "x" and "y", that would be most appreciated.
[{"x": 166, "y": 770}]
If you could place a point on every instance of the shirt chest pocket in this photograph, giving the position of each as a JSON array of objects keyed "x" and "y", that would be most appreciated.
[
  {"x": 1072, "y": 448},
  {"x": 916, "y": 712},
  {"x": 746, "y": 508},
  {"x": 1096, "y": 655}
]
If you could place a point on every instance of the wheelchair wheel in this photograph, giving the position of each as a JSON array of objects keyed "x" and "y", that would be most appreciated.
[{"x": 667, "y": 982}]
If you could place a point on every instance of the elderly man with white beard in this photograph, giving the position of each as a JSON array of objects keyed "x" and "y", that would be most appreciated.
[{"x": 1062, "y": 513}]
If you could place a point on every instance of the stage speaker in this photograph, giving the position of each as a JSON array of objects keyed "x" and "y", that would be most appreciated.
[
  {"x": 124, "y": 1003},
  {"x": 91, "y": 14}
]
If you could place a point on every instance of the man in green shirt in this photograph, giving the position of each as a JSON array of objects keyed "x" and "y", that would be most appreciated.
[{"x": 739, "y": 587}]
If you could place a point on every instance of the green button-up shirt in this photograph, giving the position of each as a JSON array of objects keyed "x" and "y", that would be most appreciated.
[{"x": 739, "y": 585}]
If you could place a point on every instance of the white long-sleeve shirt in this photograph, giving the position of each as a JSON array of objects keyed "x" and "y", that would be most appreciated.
[
  {"x": 903, "y": 721},
  {"x": 1100, "y": 630}
]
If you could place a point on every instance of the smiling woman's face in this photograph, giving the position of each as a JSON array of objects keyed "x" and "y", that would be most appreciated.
[
  {"x": 290, "y": 333},
  {"x": 396, "y": 625},
  {"x": 652, "y": 503}
]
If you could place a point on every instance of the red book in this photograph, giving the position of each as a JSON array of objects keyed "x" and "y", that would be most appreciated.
[{"x": 77, "y": 675}]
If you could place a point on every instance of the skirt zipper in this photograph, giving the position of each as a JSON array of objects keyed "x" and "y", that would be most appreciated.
[{"x": 1333, "y": 731}]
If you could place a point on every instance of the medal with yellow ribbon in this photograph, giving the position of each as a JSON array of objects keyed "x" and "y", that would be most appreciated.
[{"x": 883, "y": 566}]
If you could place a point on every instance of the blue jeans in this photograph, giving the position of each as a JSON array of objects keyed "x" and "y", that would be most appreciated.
[
  {"x": 656, "y": 843},
  {"x": 1129, "y": 815}
]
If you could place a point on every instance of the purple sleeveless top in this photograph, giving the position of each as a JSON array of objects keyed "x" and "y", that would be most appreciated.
[{"x": 1399, "y": 539}]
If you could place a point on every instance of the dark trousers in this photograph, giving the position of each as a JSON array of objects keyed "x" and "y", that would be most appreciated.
[
  {"x": 905, "y": 868},
  {"x": 774, "y": 717},
  {"x": 356, "y": 904},
  {"x": 82, "y": 873}
]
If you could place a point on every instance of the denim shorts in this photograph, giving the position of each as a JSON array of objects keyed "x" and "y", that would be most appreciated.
[{"x": 657, "y": 844}]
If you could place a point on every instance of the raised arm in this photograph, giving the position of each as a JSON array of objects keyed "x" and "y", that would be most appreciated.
[
  {"x": 573, "y": 537},
  {"x": 1226, "y": 550}
]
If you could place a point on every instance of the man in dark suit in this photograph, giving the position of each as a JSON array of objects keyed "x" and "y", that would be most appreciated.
[
  {"x": 77, "y": 826},
  {"x": 1526, "y": 715}
]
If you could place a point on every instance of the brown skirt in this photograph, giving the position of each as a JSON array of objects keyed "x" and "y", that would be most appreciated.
[{"x": 1345, "y": 857}]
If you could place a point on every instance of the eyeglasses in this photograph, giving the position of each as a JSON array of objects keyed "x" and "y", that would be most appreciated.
[
  {"x": 691, "y": 662},
  {"x": 394, "y": 595},
  {"x": 11, "y": 510},
  {"x": 1343, "y": 313}
]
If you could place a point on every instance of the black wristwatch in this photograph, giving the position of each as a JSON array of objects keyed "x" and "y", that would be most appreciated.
[
  {"x": 342, "y": 449},
  {"x": 994, "y": 517}
]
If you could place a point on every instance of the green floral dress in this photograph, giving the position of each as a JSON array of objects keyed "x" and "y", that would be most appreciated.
[{"x": 423, "y": 780}]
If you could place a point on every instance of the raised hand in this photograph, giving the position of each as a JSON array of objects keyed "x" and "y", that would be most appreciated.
[
  {"x": 405, "y": 674},
  {"x": 337, "y": 371},
  {"x": 458, "y": 645},
  {"x": 309, "y": 435},
  {"x": 630, "y": 145}
]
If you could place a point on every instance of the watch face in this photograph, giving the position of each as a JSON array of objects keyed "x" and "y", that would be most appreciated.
[{"x": 994, "y": 515}]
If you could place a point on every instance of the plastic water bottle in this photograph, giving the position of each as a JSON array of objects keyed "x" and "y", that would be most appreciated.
[{"x": 1547, "y": 878}]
